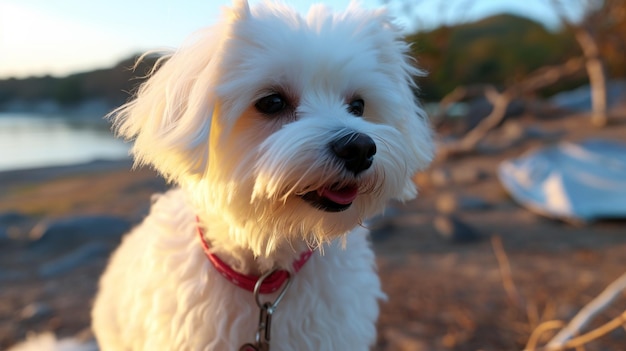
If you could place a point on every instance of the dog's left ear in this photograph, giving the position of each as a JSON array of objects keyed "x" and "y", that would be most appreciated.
[{"x": 408, "y": 116}]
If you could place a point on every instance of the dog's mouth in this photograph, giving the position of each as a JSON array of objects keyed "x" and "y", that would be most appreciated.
[{"x": 333, "y": 198}]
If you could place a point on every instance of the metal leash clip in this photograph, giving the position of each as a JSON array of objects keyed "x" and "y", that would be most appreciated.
[{"x": 267, "y": 309}]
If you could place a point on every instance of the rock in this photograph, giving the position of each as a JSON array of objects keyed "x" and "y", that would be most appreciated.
[
  {"x": 468, "y": 175},
  {"x": 383, "y": 221},
  {"x": 455, "y": 230},
  {"x": 422, "y": 179},
  {"x": 36, "y": 310},
  {"x": 74, "y": 259},
  {"x": 443, "y": 177},
  {"x": 401, "y": 341},
  {"x": 514, "y": 133},
  {"x": 10, "y": 275},
  {"x": 478, "y": 109},
  {"x": 4, "y": 236},
  {"x": 580, "y": 98},
  {"x": 447, "y": 203},
  {"x": 48, "y": 341},
  {"x": 451, "y": 202},
  {"x": 440, "y": 177},
  {"x": 509, "y": 135},
  {"x": 12, "y": 225},
  {"x": 66, "y": 234},
  {"x": 536, "y": 132},
  {"x": 12, "y": 217}
]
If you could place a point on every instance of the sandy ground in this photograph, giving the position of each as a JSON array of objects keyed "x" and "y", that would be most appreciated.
[{"x": 442, "y": 295}]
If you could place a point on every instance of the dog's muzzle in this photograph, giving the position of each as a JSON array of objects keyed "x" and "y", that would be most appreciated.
[{"x": 356, "y": 151}]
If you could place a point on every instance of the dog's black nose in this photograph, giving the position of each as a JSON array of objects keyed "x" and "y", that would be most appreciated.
[{"x": 356, "y": 150}]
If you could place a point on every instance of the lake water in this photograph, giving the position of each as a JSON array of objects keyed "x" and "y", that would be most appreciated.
[{"x": 34, "y": 140}]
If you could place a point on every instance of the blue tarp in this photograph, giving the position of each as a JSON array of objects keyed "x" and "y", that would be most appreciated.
[{"x": 580, "y": 181}]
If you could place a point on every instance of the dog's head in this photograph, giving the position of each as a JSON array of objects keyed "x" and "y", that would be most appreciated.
[{"x": 286, "y": 126}]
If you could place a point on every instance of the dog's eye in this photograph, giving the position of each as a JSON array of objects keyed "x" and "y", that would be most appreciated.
[
  {"x": 356, "y": 107},
  {"x": 271, "y": 104}
]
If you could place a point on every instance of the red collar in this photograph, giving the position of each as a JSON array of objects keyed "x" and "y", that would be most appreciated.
[{"x": 271, "y": 284}]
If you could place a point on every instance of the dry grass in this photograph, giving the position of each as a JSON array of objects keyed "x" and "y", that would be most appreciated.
[{"x": 566, "y": 338}]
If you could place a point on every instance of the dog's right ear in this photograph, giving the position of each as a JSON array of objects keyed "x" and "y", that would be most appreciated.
[
  {"x": 240, "y": 8},
  {"x": 169, "y": 119}
]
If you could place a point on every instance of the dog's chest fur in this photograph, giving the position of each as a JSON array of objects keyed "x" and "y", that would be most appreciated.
[{"x": 161, "y": 293}]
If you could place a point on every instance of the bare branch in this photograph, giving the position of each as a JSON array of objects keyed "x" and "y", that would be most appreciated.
[
  {"x": 505, "y": 271},
  {"x": 539, "y": 331},
  {"x": 598, "y": 332},
  {"x": 594, "y": 63},
  {"x": 588, "y": 312},
  {"x": 548, "y": 75},
  {"x": 460, "y": 93},
  {"x": 538, "y": 79},
  {"x": 468, "y": 143}
]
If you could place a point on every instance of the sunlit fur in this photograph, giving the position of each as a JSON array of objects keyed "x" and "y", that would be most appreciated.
[{"x": 241, "y": 172}]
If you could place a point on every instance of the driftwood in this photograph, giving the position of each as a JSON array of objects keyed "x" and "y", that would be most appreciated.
[
  {"x": 539, "y": 79},
  {"x": 596, "y": 73},
  {"x": 568, "y": 337},
  {"x": 594, "y": 64},
  {"x": 586, "y": 34},
  {"x": 565, "y": 338}
]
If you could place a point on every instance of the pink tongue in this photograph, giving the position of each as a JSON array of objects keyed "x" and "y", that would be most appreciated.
[{"x": 343, "y": 196}]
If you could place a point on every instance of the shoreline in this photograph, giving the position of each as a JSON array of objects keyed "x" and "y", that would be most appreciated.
[
  {"x": 78, "y": 166},
  {"x": 45, "y": 173},
  {"x": 107, "y": 187}
]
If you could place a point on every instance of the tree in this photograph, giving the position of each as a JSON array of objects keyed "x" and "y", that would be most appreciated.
[
  {"x": 599, "y": 32},
  {"x": 69, "y": 91},
  {"x": 586, "y": 33}
]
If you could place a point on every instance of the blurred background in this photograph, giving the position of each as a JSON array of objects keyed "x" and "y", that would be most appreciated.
[
  {"x": 520, "y": 219},
  {"x": 70, "y": 61}
]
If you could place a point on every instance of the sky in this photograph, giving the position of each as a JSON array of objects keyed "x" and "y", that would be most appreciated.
[{"x": 59, "y": 37}]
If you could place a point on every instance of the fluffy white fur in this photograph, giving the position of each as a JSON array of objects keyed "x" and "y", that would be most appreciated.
[{"x": 242, "y": 172}]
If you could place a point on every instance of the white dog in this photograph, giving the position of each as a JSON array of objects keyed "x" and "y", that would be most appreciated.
[{"x": 284, "y": 133}]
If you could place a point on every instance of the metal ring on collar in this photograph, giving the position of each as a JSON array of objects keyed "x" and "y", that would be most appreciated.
[{"x": 281, "y": 294}]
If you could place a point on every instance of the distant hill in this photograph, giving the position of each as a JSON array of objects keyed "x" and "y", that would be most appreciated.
[
  {"x": 497, "y": 50},
  {"x": 109, "y": 87}
]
